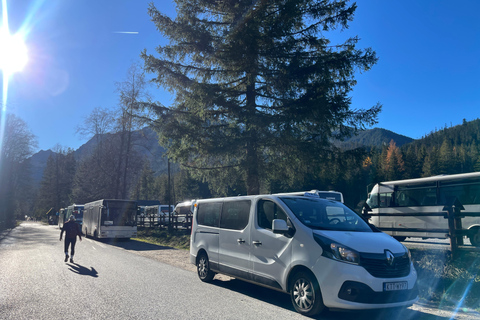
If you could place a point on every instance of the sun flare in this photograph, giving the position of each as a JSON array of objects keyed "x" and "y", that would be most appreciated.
[{"x": 13, "y": 52}]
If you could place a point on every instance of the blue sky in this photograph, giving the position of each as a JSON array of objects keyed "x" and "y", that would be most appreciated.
[{"x": 426, "y": 76}]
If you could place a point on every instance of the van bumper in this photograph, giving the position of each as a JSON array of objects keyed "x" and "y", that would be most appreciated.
[{"x": 348, "y": 286}]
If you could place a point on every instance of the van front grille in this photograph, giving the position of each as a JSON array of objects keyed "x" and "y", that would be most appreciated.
[{"x": 379, "y": 267}]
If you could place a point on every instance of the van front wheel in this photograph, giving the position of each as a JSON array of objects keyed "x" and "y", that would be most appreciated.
[
  {"x": 203, "y": 268},
  {"x": 305, "y": 294}
]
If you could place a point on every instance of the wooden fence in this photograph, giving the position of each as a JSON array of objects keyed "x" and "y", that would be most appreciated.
[{"x": 179, "y": 222}]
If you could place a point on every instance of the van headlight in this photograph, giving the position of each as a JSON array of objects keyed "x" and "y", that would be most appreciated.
[
  {"x": 408, "y": 253},
  {"x": 336, "y": 251}
]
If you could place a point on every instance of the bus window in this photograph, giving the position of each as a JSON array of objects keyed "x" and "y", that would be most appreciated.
[
  {"x": 416, "y": 197},
  {"x": 372, "y": 200},
  {"x": 466, "y": 194},
  {"x": 386, "y": 200}
]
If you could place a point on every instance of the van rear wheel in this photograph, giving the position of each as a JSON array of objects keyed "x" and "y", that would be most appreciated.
[
  {"x": 305, "y": 294},
  {"x": 203, "y": 268}
]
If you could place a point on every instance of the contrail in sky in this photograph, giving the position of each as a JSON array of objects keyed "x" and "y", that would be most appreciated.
[{"x": 126, "y": 32}]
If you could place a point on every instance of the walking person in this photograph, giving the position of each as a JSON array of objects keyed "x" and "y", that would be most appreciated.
[{"x": 72, "y": 230}]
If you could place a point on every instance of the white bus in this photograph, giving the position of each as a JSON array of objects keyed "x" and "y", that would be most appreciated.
[
  {"x": 110, "y": 219},
  {"x": 77, "y": 211},
  {"x": 160, "y": 213},
  {"x": 415, "y": 198}
]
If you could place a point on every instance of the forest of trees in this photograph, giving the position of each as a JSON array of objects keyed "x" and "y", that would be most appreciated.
[
  {"x": 66, "y": 180},
  {"x": 448, "y": 151},
  {"x": 261, "y": 98}
]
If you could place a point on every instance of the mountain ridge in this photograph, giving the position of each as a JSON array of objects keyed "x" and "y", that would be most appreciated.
[{"x": 147, "y": 145}]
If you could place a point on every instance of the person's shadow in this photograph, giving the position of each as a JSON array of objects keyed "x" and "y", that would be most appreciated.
[{"x": 79, "y": 269}]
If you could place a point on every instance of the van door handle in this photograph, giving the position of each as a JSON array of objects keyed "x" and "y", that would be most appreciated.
[
  {"x": 240, "y": 241},
  {"x": 257, "y": 243}
]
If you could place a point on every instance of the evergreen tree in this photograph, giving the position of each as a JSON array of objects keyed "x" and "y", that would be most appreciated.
[
  {"x": 430, "y": 164},
  {"x": 411, "y": 163},
  {"x": 474, "y": 158},
  {"x": 258, "y": 86},
  {"x": 446, "y": 161}
]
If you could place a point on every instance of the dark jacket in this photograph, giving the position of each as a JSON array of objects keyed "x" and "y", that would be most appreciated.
[{"x": 72, "y": 229}]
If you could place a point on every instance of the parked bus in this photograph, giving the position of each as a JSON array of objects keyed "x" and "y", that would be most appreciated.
[
  {"x": 110, "y": 219},
  {"x": 159, "y": 213},
  {"x": 77, "y": 211},
  {"x": 425, "y": 195}
]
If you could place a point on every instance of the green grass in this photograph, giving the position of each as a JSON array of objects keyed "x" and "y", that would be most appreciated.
[
  {"x": 176, "y": 239},
  {"x": 442, "y": 281}
]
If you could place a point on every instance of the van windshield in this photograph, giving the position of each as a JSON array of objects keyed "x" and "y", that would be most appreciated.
[{"x": 325, "y": 214}]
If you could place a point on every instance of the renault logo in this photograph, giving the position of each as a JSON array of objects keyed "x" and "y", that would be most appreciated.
[{"x": 390, "y": 257}]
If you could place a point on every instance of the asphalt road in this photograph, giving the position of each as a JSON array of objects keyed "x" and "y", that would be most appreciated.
[{"x": 110, "y": 281}]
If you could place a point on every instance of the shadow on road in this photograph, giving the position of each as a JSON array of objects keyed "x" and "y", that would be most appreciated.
[
  {"x": 134, "y": 245},
  {"x": 282, "y": 300},
  {"x": 79, "y": 269}
]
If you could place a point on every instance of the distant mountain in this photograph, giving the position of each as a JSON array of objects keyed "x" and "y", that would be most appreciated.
[
  {"x": 38, "y": 162},
  {"x": 375, "y": 137},
  {"x": 145, "y": 143}
]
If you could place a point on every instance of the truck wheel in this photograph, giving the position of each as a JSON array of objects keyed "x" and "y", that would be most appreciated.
[
  {"x": 203, "y": 268},
  {"x": 475, "y": 237},
  {"x": 305, "y": 294}
]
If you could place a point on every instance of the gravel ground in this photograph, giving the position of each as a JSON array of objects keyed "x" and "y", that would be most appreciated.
[{"x": 177, "y": 258}]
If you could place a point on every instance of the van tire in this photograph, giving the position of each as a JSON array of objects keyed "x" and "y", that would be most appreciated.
[
  {"x": 203, "y": 268},
  {"x": 399, "y": 238},
  {"x": 305, "y": 294}
]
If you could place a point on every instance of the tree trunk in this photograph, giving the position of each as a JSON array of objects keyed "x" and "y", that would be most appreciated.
[{"x": 252, "y": 179}]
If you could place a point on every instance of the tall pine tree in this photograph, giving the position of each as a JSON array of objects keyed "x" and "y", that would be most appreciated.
[{"x": 258, "y": 85}]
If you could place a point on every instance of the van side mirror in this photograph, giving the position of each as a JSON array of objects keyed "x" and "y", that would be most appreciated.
[{"x": 279, "y": 226}]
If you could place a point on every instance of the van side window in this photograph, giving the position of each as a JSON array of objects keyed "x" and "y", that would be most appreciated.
[
  {"x": 235, "y": 214},
  {"x": 267, "y": 211},
  {"x": 208, "y": 214}
]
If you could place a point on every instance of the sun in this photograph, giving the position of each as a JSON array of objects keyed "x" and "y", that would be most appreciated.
[{"x": 13, "y": 52}]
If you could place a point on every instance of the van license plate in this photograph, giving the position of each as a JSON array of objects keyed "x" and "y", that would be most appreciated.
[{"x": 394, "y": 286}]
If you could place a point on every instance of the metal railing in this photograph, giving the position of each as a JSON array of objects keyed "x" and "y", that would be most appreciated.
[
  {"x": 453, "y": 211},
  {"x": 179, "y": 222}
]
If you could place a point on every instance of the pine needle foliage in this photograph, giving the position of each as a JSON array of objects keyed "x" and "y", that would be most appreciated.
[{"x": 257, "y": 85}]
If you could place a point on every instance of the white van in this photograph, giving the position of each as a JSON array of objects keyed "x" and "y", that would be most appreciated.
[
  {"x": 318, "y": 250},
  {"x": 184, "y": 211}
]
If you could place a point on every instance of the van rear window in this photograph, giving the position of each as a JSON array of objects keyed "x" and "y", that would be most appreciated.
[{"x": 208, "y": 214}]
